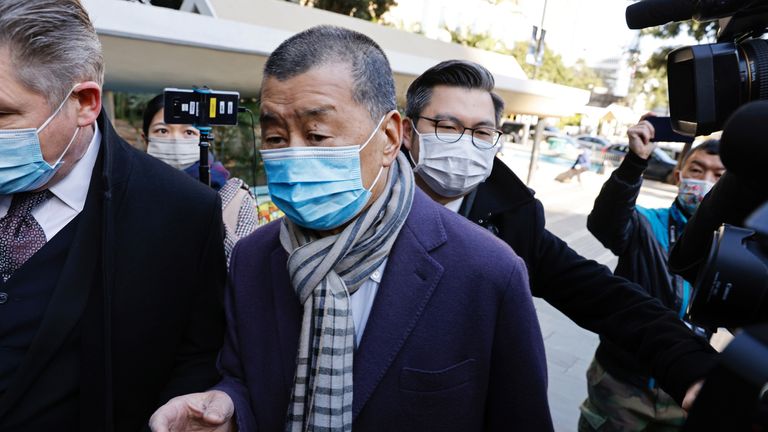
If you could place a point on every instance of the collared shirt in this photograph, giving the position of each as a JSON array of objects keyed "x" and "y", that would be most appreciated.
[
  {"x": 454, "y": 205},
  {"x": 361, "y": 301},
  {"x": 69, "y": 193}
]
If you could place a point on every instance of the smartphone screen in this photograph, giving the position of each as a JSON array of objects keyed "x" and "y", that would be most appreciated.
[{"x": 664, "y": 133}]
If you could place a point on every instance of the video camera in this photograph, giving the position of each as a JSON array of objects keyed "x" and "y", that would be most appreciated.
[
  {"x": 724, "y": 86},
  {"x": 707, "y": 83}
]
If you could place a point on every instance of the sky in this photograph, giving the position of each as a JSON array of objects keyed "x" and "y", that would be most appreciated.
[{"x": 592, "y": 30}]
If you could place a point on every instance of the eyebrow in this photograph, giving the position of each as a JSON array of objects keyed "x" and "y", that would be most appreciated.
[
  {"x": 443, "y": 116},
  {"x": 705, "y": 166},
  {"x": 317, "y": 111},
  {"x": 267, "y": 117}
]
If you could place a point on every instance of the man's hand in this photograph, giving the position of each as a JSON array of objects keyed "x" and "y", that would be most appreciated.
[
  {"x": 197, "y": 412},
  {"x": 691, "y": 394},
  {"x": 640, "y": 136}
]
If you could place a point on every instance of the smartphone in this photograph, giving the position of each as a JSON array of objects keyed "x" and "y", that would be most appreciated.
[
  {"x": 664, "y": 133},
  {"x": 201, "y": 107}
]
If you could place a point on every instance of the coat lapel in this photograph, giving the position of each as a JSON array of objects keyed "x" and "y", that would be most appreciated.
[
  {"x": 410, "y": 278},
  {"x": 68, "y": 300}
]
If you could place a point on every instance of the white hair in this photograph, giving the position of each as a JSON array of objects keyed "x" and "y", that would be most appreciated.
[{"x": 52, "y": 45}]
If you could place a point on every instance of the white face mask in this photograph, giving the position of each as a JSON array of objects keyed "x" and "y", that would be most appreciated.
[
  {"x": 452, "y": 169},
  {"x": 179, "y": 153}
]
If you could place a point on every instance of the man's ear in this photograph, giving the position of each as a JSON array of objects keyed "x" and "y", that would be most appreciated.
[
  {"x": 407, "y": 133},
  {"x": 677, "y": 175},
  {"x": 88, "y": 95},
  {"x": 393, "y": 130}
]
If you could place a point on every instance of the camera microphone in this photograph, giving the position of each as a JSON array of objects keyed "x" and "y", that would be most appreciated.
[
  {"x": 742, "y": 147},
  {"x": 651, "y": 13}
]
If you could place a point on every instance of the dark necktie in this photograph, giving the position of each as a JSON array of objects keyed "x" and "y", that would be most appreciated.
[{"x": 20, "y": 234}]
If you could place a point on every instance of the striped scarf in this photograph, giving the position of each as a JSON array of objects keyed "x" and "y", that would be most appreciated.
[{"x": 324, "y": 272}]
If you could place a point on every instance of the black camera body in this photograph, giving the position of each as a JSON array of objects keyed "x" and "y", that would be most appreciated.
[
  {"x": 732, "y": 288},
  {"x": 707, "y": 83},
  {"x": 724, "y": 86}
]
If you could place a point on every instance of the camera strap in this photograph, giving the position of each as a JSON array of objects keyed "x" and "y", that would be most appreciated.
[{"x": 677, "y": 280}]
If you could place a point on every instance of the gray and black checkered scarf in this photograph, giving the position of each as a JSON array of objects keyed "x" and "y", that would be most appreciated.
[{"x": 324, "y": 272}]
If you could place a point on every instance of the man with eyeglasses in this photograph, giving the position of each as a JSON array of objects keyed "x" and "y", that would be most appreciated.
[{"x": 450, "y": 135}]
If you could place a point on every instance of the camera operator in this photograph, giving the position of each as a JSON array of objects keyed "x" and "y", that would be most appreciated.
[{"x": 621, "y": 394}]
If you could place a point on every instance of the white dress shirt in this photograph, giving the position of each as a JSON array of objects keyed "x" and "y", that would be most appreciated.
[
  {"x": 69, "y": 193},
  {"x": 454, "y": 205},
  {"x": 361, "y": 301}
]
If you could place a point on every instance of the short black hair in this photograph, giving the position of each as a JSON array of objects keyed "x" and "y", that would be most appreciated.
[
  {"x": 452, "y": 73},
  {"x": 153, "y": 107},
  {"x": 711, "y": 146},
  {"x": 374, "y": 86}
]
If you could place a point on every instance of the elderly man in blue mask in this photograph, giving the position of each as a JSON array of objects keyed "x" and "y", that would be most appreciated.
[{"x": 370, "y": 307}]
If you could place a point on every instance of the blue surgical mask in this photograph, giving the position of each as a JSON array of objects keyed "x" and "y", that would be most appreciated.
[
  {"x": 22, "y": 166},
  {"x": 319, "y": 188}
]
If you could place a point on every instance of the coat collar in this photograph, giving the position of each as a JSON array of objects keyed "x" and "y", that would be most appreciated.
[{"x": 501, "y": 192}]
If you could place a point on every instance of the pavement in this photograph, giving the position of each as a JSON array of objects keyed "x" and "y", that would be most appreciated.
[{"x": 570, "y": 348}]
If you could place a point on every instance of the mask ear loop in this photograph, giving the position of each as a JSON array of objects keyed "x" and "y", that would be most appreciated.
[
  {"x": 61, "y": 105},
  {"x": 421, "y": 153},
  {"x": 376, "y": 129},
  {"x": 376, "y": 180},
  {"x": 368, "y": 141},
  {"x": 58, "y": 161}
]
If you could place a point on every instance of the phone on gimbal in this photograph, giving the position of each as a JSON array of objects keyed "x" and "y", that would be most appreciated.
[{"x": 200, "y": 107}]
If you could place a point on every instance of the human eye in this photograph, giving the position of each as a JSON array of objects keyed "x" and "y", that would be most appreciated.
[
  {"x": 273, "y": 141},
  {"x": 448, "y": 126},
  {"x": 484, "y": 133},
  {"x": 317, "y": 139}
]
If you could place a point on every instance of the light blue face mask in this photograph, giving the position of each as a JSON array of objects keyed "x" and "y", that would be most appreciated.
[
  {"x": 319, "y": 188},
  {"x": 22, "y": 167}
]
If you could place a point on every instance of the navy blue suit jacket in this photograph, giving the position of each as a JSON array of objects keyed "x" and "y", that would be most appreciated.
[{"x": 452, "y": 342}]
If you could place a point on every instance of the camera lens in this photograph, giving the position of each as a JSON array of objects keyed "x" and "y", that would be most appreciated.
[
  {"x": 753, "y": 67},
  {"x": 707, "y": 83}
]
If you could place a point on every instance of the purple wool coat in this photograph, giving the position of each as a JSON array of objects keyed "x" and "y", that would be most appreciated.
[{"x": 452, "y": 342}]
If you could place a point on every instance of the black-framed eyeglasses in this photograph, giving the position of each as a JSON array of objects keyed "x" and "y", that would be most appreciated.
[{"x": 449, "y": 131}]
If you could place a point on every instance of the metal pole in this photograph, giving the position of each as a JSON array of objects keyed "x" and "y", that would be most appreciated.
[
  {"x": 526, "y": 131},
  {"x": 541, "y": 30},
  {"x": 535, "y": 153}
]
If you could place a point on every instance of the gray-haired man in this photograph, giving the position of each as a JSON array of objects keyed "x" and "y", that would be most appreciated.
[
  {"x": 370, "y": 307},
  {"x": 108, "y": 294}
]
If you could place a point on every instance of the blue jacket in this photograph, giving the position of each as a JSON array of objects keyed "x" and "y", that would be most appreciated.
[{"x": 452, "y": 342}]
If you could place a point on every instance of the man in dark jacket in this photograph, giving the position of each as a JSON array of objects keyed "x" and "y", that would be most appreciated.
[
  {"x": 111, "y": 262},
  {"x": 622, "y": 393},
  {"x": 385, "y": 312},
  {"x": 455, "y": 99}
]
